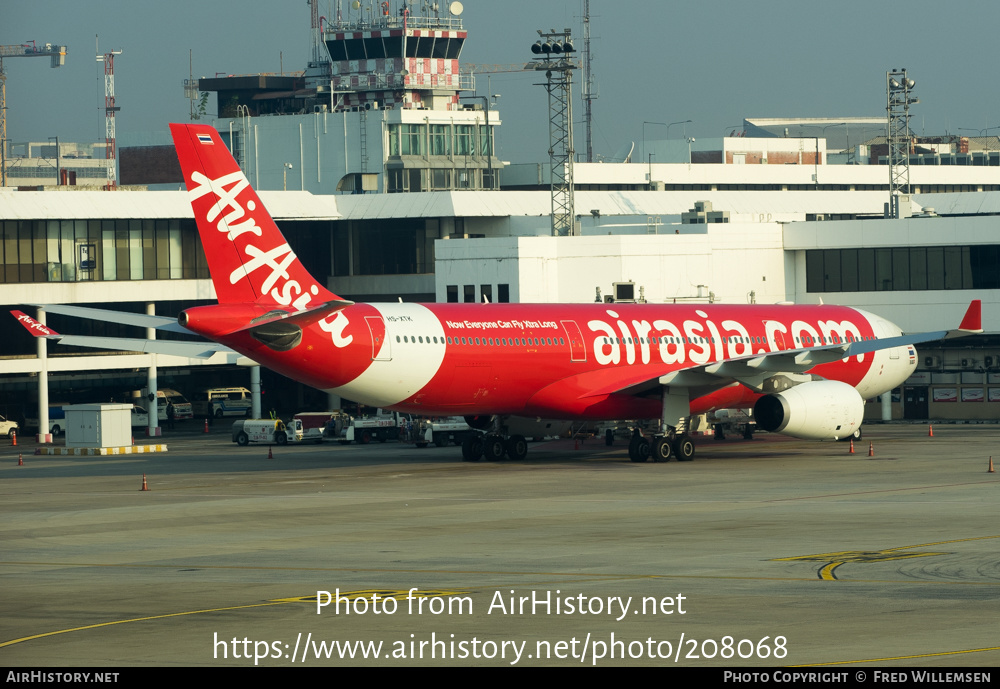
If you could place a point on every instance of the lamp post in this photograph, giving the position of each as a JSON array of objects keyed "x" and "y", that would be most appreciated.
[
  {"x": 58, "y": 162},
  {"x": 982, "y": 132},
  {"x": 690, "y": 140},
  {"x": 678, "y": 122}
]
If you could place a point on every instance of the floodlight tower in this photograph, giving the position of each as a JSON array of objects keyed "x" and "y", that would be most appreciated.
[
  {"x": 898, "y": 102},
  {"x": 554, "y": 61}
]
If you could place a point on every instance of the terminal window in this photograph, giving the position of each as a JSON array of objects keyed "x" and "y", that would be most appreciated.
[{"x": 903, "y": 268}]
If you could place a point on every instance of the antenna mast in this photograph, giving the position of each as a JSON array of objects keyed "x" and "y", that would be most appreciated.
[
  {"x": 588, "y": 82},
  {"x": 109, "y": 117}
]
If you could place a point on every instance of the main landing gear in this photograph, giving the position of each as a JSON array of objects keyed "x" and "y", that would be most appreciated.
[
  {"x": 494, "y": 447},
  {"x": 662, "y": 448}
]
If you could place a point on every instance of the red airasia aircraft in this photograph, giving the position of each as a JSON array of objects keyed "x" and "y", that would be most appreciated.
[{"x": 806, "y": 370}]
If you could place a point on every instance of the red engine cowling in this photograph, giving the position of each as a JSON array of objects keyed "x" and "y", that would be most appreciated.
[{"x": 819, "y": 410}]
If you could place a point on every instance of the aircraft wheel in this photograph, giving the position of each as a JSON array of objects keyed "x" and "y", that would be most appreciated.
[
  {"x": 638, "y": 449},
  {"x": 661, "y": 449},
  {"x": 494, "y": 448},
  {"x": 517, "y": 447},
  {"x": 242, "y": 439},
  {"x": 472, "y": 448},
  {"x": 684, "y": 449}
]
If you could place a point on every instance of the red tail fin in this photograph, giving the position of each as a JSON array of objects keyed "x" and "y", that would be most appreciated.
[
  {"x": 973, "y": 320},
  {"x": 248, "y": 257}
]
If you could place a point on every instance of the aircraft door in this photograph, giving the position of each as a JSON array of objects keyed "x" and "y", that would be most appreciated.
[
  {"x": 577, "y": 348},
  {"x": 381, "y": 351}
]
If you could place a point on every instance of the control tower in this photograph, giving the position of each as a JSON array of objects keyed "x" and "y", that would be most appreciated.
[
  {"x": 397, "y": 59},
  {"x": 381, "y": 107}
]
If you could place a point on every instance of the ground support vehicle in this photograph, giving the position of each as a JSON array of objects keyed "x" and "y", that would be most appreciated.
[
  {"x": 441, "y": 431},
  {"x": 381, "y": 427},
  {"x": 246, "y": 431},
  {"x": 317, "y": 425},
  {"x": 733, "y": 421}
]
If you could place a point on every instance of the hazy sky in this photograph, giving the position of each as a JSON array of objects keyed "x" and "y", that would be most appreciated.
[{"x": 709, "y": 61}]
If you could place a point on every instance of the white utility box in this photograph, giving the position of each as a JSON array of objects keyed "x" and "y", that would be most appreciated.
[{"x": 98, "y": 425}]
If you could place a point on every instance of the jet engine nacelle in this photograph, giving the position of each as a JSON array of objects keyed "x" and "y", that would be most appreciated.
[
  {"x": 483, "y": 422},
  {"x": 819, "y": 410}
]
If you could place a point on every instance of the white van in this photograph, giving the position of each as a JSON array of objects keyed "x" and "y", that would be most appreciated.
[
  {"x": 220, "y": 402},
  {"x": 182, "y": 408}
]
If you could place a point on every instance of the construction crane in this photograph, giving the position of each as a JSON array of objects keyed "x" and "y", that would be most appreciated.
[
  {"x": 58, "y": 55},
  {"x": 470, "y": 68}
]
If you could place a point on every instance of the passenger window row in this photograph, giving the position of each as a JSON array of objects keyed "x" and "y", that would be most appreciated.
[{"x": 489, "y": 341}]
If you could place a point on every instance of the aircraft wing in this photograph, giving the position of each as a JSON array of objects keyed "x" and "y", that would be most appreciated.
[
  {"x": 199, "y": 350},
  {"x": 752, "y": 370}
]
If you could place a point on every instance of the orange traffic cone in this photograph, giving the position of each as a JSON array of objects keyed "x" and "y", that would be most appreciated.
[
  {"x": 270, "y": 455},
  {"x": 144, "y": 486},
  {"x": 990, "y": 470},
  {"x": 13, "y": 438},
  {"x": 871, "y": 450},
  {"x": 852, "y": 447},
  {"x": 206, "y": 424},
  {"x": 20, "y": 461},
  {"x": 930, "y": 430}
]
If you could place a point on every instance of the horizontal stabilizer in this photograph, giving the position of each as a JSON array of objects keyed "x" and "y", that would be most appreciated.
[
  {"x": 198, "y": 350},
  {"x": 141, "y": 320}
]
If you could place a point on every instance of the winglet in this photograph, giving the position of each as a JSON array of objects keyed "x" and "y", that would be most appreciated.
[
  {"x": 33, "y": 326},
  {"x": 973, "y": 320}
]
